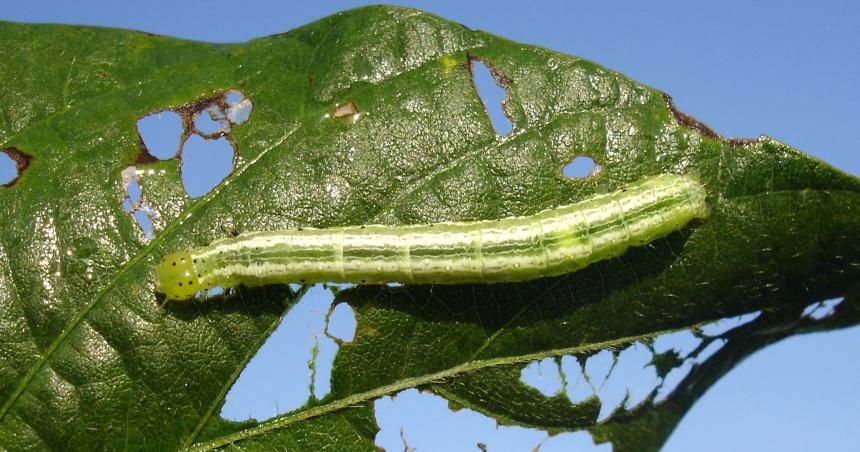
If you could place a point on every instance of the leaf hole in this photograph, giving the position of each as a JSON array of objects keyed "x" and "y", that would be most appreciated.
[
  {"x": 491, "y": 89},
  {"x": 134, "y": 203},
  {"x": 13, "y": 162},
  {"x": 625, "y": 377},
  {"x": 238, "y": 106},
  {"x": 276, "y": 380},
  {"x": 341, "y": 323},
  {"x": 544, "y": 375},
  {"x": 426, "y": 422},
  {"x": 205, "y": 163},
  {"x": 211, "y": 121},
  {"x": 198, "y": 133},
  {"x": 161, "y": 133},
  {"x": 581, "y": 167},
  {"x": 821, "y": 310},
  {"x": 721, "y": 326}
]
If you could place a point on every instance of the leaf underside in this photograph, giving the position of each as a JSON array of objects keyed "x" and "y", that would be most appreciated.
[{"x": 89, "y": 359}]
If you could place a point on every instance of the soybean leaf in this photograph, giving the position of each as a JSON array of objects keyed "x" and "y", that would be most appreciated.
[{"x": 92, "y": 360}]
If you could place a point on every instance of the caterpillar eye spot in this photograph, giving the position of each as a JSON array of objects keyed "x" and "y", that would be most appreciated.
[
  {"x": 180, "y": 284},
  {"x": 174, "y": 263}
]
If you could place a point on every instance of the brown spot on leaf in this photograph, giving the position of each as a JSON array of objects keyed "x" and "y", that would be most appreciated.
[
  {"x": 701, "y": 127},
  {"x": 342, "y": 111},
  {"x": 144, "y": 157}
]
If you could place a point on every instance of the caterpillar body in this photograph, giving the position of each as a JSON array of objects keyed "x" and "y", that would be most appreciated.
[{"x": 551, "y": 242}]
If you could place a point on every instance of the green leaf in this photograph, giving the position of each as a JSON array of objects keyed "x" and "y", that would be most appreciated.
[{"x": 90, "y": 359}]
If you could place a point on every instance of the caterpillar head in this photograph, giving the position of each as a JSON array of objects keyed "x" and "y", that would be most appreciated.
[{"x": 176, "y": 278}]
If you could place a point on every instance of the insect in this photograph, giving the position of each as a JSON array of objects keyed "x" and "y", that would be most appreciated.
[{"x": 551, "y": 242}]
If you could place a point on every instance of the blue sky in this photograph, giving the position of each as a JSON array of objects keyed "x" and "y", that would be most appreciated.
[{"x": 784, "y": 69}]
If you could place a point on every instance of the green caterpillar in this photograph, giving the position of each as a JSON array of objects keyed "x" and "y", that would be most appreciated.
[{"x": 551, "y": 242}]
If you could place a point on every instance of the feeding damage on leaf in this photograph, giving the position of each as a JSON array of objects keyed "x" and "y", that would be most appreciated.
[
  {"x": 198, "y": 136},
  {"x": 21, "y": 161},
  {"x": 701, "y": 127},
  {"x": 347, "y": 109},
  {"x": 492, "y": 87},
  {"x": 85, "y": 341}
]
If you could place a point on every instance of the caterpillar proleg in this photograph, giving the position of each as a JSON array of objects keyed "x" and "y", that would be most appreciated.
[{"x": 551, "y": 242}]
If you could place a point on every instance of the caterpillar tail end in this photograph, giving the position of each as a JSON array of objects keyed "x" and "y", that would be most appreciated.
[{"x": 175, "y": 276}]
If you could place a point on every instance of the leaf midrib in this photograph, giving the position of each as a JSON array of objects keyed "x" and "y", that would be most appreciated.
[{"x": 411, "y": 382}]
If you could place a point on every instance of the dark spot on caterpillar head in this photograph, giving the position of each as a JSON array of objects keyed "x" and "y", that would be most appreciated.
[
  {"x": 194, "y": 260},
  {"x": 181, "y": 259},
  {"x": 199, "y": 275},
  {"x": 363, "y": 281},
  {"x": 174, "y": 263},
  {"x": 302, "y": 281},
  {"x": 362, "y": 226},
  {"x": 190, "y": 283},
  {"x": 180, "y": 284}
]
